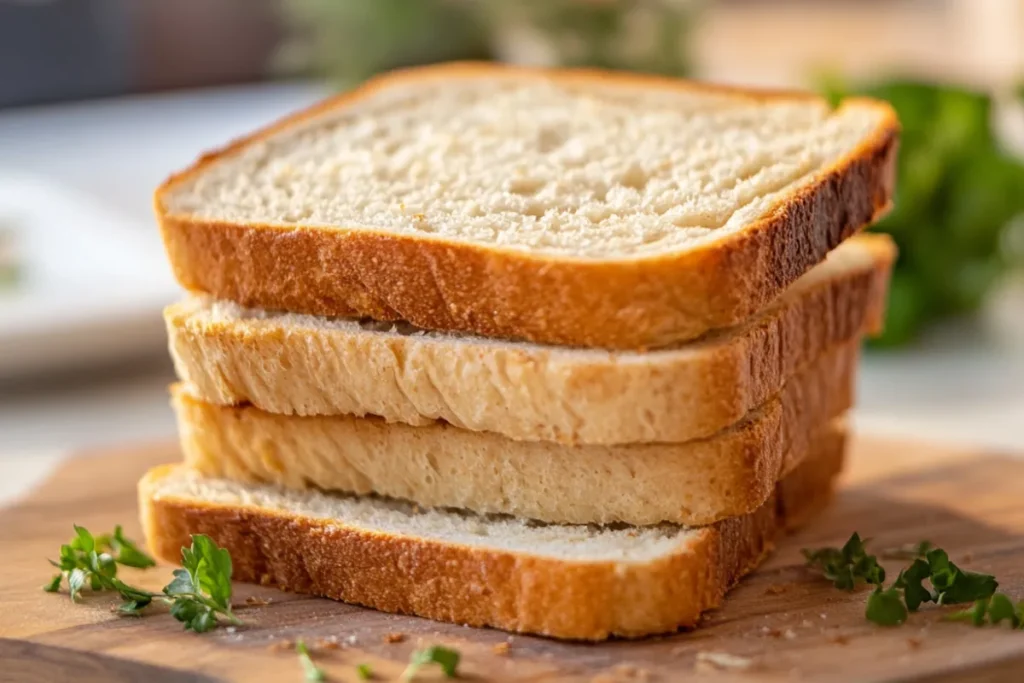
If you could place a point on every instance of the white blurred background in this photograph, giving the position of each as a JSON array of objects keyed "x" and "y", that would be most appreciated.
[{"x": 101, "y": 99}]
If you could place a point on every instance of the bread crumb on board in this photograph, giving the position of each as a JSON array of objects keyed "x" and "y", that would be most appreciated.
[
  {"x": 720, "y": 661},
  {"x": 771, "y": 632},
  {"x": 394, "y": 637},
  {"x": 329, "y": 643},
  {"x": 837, "y": 638},
  {"x": 501, "y": 649},
  {"x": 256, "y": 601},
  {"x": 775, "y": 589},
  {"x": 914, "y": 643},
  {"x": 279, "y": 645},
  {"x": 631, "y": 672}
]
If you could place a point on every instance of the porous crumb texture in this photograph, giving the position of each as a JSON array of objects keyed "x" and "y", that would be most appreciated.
[
  {"x": 574, "y": 582},
  {"x": 585, "y": 169},
  {"x": 696, "y": 482}
]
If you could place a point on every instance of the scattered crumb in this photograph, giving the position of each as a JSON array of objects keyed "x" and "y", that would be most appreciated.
[
  {"x": 231, "y": 629},
  {"x": 631, "y": 672},
  {"x": 775, "y": 589},
  {"x": 837, "y": 638},
  {"x": 806, "y": 624},
  {"x": 823, "y": 615},
  {"x": 967, "y": 558},
  {"x": 501, "y": 649},
  {"x": 771, "y": 631},
  {"x": 722, "y": 660},
  {"x": 394, "y": 637},
  {"x": 330, "y": 643},
  {"x": 279, "y": 645},
  {"x": 789, "y": 634},
  {"x": 914, "y": 643},
  {"x": 351, "y": 640},
  {"x": 256, "y": 601}
]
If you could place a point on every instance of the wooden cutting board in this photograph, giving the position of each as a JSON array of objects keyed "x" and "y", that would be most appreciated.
[{"x": 782, "y": 621}]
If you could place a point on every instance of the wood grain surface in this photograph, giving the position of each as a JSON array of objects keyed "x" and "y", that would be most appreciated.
[{"x": 784, "y": 622}]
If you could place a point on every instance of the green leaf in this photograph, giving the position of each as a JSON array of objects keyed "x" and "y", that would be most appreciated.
[
  {"x": 312, "y": 671},
  {"x": 128, "y": 553},
  {"x": 975, "y": 614},
  {"x": 210, "y": 568},
  {"x": 447, "y": 658},
  {"x": 83, "y": 540},
  {"x": 954, "y": 585},
  {"x": 885, "y": 607},
  {"x": 364, "y": 672},
  {"x": 180, "y": 584},
  {"x": 1001, "y": 608},
  {"x": 910, "y": 580},
  {"x": 54, "y": 584},
  {"x": 193, "y": 614},
  {"x": 847, "y": 566}
]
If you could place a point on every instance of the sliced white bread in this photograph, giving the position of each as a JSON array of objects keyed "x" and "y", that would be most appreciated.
[
  {"x": 569, "y": 207},
  {"x": 573, "y": 582},
  {"x": 303, "y": 365},
  {"x": 695, "y": 482}
]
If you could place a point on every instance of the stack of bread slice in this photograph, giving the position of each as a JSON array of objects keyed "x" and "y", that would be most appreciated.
[{"x": 558, "y": 352}]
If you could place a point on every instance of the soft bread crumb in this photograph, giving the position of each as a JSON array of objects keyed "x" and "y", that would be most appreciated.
[
  {"x": 716, "y": 661},
  {"x": 501, "y": 649},
  {"x": 596, "y": 169},
  {"x": 394, "y": 637}
]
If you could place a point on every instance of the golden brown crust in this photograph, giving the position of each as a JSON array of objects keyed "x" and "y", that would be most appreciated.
[
  {"x": 490, "y": 586},
  {"x": 445, "y": 285},
  {"x": 289, "y": 365}
]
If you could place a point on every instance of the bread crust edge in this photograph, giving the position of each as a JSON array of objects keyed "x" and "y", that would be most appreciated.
[{"x": 447, "y": 285}]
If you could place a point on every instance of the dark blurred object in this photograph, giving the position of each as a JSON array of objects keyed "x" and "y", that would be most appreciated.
[
  {"x": 54, "y": 50},
  {"x": 350, "y": 40},
  {"x": 957, "y": 193}
]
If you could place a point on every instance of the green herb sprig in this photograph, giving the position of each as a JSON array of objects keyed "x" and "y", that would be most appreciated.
[
  {"x": 447, "y": 658},
  {"x": 199, "y": 596},
  {"x": 312, "y": 672},
  {"x": 848, "y": 566},
  {"x": 364, "y": 672},
  {"x": 949, "y": 584},
  {"x": 993, "y": 610}
]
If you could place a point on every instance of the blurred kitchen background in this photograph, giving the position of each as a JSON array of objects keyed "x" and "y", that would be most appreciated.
[{"x": 101, "y": 99}]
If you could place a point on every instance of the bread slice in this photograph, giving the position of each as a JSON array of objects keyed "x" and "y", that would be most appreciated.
[
  {"x": 304, "y": 365},
  {"x": 573, "y": 582},
  {"x": 569, "y": 207},
  {"x": 696, "y": 482}
]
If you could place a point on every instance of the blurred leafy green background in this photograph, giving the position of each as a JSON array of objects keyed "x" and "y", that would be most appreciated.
[{"x": 958, "y": 191}]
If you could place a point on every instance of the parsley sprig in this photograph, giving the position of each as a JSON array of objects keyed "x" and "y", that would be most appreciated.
[
  {"x": 848, "y": 566},
  {"x": 447, "y": 658},
  {"x": 313, "y": 673},
  {"x": 199, "y": 596},
  {"x": 993, "y": 610},
  {"x": 949, "y": 584}
]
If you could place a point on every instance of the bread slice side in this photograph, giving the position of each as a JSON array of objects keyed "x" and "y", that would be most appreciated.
[
  {"x": 570, "y": 582},
  {"x": 696, "y": 482},
  {"x": 304, "y": 365},
  {"x": 731, "y": 266}
]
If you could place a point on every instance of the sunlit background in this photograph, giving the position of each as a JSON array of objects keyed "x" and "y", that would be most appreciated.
[{"x": 101, "y": 99}]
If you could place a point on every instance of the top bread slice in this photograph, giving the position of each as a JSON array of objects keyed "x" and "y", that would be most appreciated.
[
  {"x": 304, "y": 365},
  {"x": 568, "y": 207}
]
